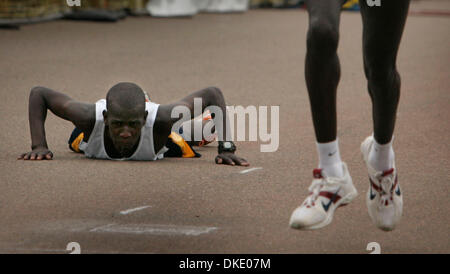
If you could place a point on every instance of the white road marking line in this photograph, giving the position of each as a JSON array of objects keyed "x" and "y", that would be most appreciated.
[
  {"x": 100, "y": 228},
  {"x": 154, "y": 229},
  {"x": 250, "y": 170},
  {"x": 128, "y": 211}
]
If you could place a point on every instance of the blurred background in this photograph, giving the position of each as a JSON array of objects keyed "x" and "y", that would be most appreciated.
[{"x": 16, "y": 12}]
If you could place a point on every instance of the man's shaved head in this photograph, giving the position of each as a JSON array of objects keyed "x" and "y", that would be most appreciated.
[
  {"x": 125, "y": 96},
  {"x": 124, "y": 117}
]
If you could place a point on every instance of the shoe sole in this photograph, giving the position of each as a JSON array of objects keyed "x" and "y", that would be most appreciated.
[
  {"x": 342, "y": 202},
  {"x": 381, "y": 227}
]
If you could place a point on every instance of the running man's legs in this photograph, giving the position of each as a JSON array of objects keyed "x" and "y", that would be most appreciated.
[
  {"x": 322, "y": 73},
  {"x": 382, "y": 31},
  {"x": 332, "y": 186},
  {"x": 322, "y": 68}
]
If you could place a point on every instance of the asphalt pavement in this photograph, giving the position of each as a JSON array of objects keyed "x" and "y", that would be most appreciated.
[{"x": 193, "y": 205}]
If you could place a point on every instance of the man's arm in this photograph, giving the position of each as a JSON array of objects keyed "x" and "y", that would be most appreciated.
[
  {"x": 82, "y": 115},
  {"x": 210, "y": 97}
]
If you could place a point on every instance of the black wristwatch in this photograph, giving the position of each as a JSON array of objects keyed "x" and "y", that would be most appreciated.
[{"x": 226, "y": 146}]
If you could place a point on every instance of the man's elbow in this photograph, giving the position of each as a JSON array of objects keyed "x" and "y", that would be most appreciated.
[
  {"x": 215, "y": 92},
  {"x": 37, "y": 91},
  {"x": 38, "y": 96}
]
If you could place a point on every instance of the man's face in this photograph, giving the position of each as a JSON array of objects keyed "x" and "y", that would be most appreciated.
[{"x": 124, "y": 128}]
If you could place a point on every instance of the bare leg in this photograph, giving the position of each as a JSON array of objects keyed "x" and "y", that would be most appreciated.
[
  {"x": 383, "y": 28},
  {"x": 322, "y": 68},
  {"x": 322, "y": 72},
  {"x": 382, "y": 32}
]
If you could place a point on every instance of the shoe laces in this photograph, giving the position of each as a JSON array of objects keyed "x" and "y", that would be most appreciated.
[
  {"x": 314, "y": 190},
  {"x": 386, "y": 180},
  {"x": 317, "y": 184}
]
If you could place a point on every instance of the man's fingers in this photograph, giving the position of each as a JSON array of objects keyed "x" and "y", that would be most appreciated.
[
  {"x": 37, "y": 155},
  {"x": 45, "y": 156},
  {"x": 224, "y": 160},
  {"x": 239, "y": 161},
  {"x": 49, "y": 156},
  {"x": 231, "y": 159},
  {"x": 242, "y": 162},
  {"x": 228, "y": 161},
  {"x": 236, "y": 160},
  {"x": 218, "y": 160}
]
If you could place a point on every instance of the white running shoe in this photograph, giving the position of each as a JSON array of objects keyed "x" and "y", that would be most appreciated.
[
  {"x": 326, "y": 195},
  {"x": 384, "y": 198}
]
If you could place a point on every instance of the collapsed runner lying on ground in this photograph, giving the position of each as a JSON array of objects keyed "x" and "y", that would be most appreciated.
[
  {"x": 122, "y": 127},
  {"x": 180, "y": 142}
]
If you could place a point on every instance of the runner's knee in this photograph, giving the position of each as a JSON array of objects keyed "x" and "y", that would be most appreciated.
[{"x": 323, "y": 37}]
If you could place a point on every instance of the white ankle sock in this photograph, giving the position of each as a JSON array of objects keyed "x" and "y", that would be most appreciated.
[
  {"x": 330, "y": 159},
  {"x": 381, "y": 157}
]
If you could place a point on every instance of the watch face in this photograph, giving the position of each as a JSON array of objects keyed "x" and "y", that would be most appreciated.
[{"x": 227, "y": 145}]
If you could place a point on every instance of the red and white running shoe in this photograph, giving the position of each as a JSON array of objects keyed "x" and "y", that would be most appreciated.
[
  {"x": 326, "y": 195},
  {"x": 384, "y": 199}
]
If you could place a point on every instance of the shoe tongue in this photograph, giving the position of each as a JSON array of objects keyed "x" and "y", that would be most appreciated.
[{"x": 317, "y": 173}]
